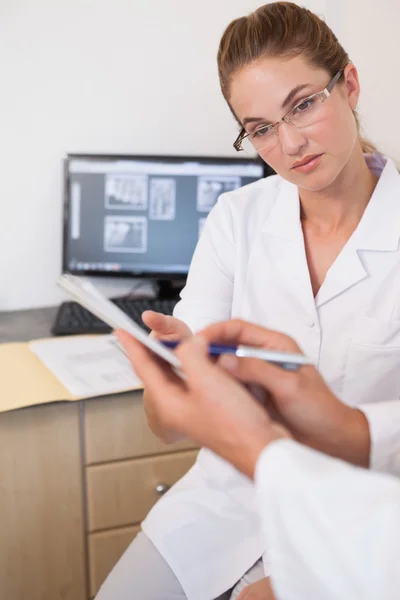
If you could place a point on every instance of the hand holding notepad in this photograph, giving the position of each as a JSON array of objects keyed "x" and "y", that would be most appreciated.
[{"x": 83, "y": 292}]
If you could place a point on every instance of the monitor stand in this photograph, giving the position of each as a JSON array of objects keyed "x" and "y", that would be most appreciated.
[{"x": 169, "y": 288}]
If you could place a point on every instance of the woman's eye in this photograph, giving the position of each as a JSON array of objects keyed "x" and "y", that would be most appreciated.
[
  {"x": 305, "y": 105},
  {"x": 261, "y": 132}
]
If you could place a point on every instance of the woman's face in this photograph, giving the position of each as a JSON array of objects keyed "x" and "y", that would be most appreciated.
[{"x": 258, "y": 96}]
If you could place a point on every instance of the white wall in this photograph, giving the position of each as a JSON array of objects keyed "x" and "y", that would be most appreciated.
[{"x": 133, "y": 76}]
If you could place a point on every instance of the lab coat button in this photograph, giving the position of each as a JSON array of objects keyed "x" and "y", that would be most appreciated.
[{"x": 310, "y": 323}]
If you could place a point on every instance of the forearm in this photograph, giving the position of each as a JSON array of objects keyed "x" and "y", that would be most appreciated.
[
  {"x": 368, "y": 436},
  {"x": 346, "y": 437}
]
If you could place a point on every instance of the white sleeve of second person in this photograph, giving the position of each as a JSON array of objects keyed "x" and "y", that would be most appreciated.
[
  {"x": 207, "y": 296},
  {"x": 333, "y": 529},
  {"x": 384, "y": 425}
]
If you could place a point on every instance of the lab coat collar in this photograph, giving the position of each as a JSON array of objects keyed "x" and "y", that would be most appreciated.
[
  {"x": 284, "y": 219},
  {"x": 284, "y": 245},
  {"x": 378, "y": 230}
]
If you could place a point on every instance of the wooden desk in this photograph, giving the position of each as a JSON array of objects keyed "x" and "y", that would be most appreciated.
[{"x": 76, "y": 479}]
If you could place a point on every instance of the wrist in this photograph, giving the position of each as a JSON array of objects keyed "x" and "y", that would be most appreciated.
[
  {"x": 253, "y": 445},
  {"x": 357, "y": 438},
  {"x": 349, "y": 439}
]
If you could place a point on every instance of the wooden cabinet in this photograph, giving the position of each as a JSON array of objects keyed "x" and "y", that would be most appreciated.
[
  {"x": 117, "y": 429},
  {"x": 42, "y": 532},
  {"x": 123, "y": 493},
  {"x": 76, "y": 479}
]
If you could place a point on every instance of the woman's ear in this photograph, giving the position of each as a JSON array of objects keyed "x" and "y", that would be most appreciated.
[{"x": 351, "y": 85}]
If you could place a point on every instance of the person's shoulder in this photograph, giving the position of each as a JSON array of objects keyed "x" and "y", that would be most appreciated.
[{"x": 257, "y": 197}]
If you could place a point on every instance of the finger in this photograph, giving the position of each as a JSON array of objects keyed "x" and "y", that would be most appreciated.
[
  {"x": 267, "y": 402},
  {"x": 153, "y": 372},
  {"x": 194, "y": 350},
  {"x": 161, "y": 325},
  {"x": 272, "y": 378},
  {"x": 238, "y": 332},
  {"x": 203, "y": 375}
]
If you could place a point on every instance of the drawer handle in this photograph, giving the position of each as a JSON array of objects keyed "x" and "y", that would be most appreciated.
[{"x": 161, "y": 488}]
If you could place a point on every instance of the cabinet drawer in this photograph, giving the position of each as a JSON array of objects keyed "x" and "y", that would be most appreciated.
[
  {"x": 105, "y": 549},
  {"x": 116, "y": 429},
  {"x": 122, "y": 493}
]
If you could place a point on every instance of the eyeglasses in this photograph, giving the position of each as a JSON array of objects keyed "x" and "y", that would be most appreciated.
[{"x": 307, "y": 112}]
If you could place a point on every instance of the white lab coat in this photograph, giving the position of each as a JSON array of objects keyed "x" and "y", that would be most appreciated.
[
  {"x": 250, "y": 263},
  {"x": 333, "y": 530}
]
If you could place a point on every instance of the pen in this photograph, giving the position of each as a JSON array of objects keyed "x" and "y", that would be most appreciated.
[{"x": 285, "y": 360}]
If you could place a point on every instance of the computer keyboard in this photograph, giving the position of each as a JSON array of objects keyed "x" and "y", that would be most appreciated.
[{"x": 73, "y": 319}]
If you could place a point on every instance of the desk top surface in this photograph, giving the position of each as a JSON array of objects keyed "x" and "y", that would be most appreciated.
[{"x": 26, "y": 325}]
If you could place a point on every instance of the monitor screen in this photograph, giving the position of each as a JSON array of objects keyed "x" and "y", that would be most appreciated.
[{"x": 142, "y": 216}]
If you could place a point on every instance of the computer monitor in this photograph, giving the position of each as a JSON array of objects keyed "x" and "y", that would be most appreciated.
[{"x": 142, "y": 215}]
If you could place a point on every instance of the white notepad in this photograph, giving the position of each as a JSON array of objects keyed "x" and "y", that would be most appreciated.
[
  {"x": 83, "y": 292},
  {"x": 87, "y": 366}
]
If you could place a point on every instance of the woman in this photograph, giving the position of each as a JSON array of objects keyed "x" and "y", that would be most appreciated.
[{"x": 312, "y": 252}]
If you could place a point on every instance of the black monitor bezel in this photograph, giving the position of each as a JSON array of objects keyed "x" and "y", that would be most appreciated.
[{"x": 156, "y": 158}]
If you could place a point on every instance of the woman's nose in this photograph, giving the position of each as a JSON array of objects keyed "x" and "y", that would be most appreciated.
[{"x": 291, "y": 139}]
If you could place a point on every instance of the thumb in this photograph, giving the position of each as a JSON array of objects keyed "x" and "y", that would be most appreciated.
[
  {"x": 161, "y": 325},
  {"x": 202, "y": 374},
  {"x": 275, "y": 380}
]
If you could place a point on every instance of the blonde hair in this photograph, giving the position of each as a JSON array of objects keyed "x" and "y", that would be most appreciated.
[{"x": 281, "y": 29}]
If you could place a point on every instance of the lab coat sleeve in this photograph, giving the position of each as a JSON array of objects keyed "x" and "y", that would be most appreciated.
[
  {"x": 207, "y": 296},
  {"x": 333, "y": 530},
  {"x": 384, "y": 426}
]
